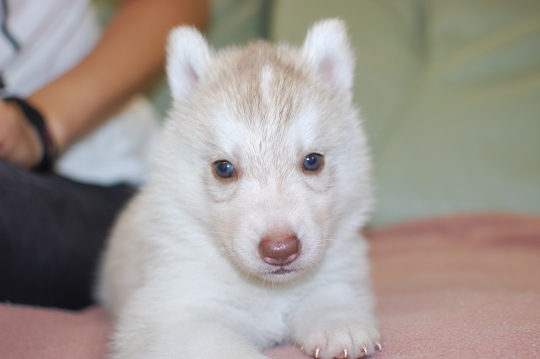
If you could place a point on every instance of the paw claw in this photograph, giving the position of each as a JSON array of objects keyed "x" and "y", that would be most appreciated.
[
  {"x": 364, "y": 349},
  {"x": 378, "y": 346},
  {"x": 317, "y": 353},
  {"x": 343, "y": 356}
]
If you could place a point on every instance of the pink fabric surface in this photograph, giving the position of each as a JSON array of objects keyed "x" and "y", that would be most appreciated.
[
  {"x": 457, "y": 287},
  {"x": 36, "y": 333}
]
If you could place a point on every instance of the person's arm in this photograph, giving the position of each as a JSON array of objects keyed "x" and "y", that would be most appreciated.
[{"x": 130, "y": 52}]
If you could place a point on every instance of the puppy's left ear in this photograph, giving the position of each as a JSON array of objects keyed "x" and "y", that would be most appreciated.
[
  {"x": 188, "y": 56},
  {"x": 328, "y": 48}
]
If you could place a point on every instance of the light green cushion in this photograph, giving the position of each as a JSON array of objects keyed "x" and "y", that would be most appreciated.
[
  {"x": 450, "y": 94},
  {"x": 235, "y": 22}
]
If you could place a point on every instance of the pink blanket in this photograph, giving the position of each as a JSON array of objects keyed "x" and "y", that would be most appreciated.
[{"x": 457, "y": 287}]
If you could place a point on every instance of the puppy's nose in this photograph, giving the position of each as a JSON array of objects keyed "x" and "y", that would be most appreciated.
[{"x": 279, "y": 250}]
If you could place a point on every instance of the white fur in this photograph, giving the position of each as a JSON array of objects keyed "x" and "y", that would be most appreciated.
[
  {"x": 188, "y": 56},
  {"x": 182, "y": 275}
]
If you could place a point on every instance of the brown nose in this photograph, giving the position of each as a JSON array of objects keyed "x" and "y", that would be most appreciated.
[{"x": 279, "y": 250}]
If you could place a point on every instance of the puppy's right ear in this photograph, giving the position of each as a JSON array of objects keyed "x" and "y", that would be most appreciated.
[{"x": 188, "y": 56}]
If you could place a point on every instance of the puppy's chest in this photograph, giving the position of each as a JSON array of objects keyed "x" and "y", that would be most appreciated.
[{"x": 264, "y": 314}]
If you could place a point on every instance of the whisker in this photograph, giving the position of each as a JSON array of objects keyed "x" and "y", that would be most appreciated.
[{"x": 332, "y": 219}]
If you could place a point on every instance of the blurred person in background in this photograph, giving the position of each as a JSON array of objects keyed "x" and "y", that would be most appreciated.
[{"x": 75, "y": 135}]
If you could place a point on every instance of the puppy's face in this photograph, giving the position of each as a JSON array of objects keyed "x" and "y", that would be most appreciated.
[
  {"x": 282, "y": 159},
  {"x": 270, "y": 170}
]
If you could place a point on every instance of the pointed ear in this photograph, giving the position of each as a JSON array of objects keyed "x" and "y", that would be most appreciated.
[
  {"x": 188, "y": 56},
  {"x": 327, "y": 47}
]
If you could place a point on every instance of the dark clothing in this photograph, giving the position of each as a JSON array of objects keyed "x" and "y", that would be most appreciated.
[{"x": 52, "y": 231}]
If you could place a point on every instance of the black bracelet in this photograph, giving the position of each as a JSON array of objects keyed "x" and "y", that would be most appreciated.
[{"x": 34, "y": 117}]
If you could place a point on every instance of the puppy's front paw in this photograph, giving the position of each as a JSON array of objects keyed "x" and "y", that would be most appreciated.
[{"x": 342, "y": 341}]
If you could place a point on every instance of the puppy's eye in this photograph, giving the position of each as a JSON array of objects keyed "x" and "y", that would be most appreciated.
[
  {"x": 313, "y": 162},
  {"x": 223, "y": 169}
]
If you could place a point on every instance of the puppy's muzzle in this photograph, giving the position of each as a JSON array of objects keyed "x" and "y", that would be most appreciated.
[{"x": 279, "y": 250}]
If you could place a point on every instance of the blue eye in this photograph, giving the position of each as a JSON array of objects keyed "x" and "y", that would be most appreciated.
[
  {"x": 313, "y": 162},
  {"x": 223, "y": 169}
]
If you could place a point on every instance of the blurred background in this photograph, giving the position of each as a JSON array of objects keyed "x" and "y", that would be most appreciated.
[{"x": 449, "y": 93}]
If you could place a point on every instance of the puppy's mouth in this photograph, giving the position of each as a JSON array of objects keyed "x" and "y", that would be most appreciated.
[
  {"x": 279, "y": 274},
  {"x": 283, "y": 273},
  {"x": 283, "y": 270}
]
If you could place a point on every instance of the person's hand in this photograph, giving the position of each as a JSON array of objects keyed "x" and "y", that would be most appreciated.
[
  {"x": 83, "y": 98},
  {"x": 19, "y": 141}
]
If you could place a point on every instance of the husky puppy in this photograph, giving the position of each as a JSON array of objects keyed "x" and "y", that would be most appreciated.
[{"x": 248, "y": 232}]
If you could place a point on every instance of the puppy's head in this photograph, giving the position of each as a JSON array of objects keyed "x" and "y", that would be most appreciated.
[{"x": 265, "y": 147}]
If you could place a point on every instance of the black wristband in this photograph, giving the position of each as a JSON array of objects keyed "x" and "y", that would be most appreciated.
[{"x": 34, "y": 117}]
